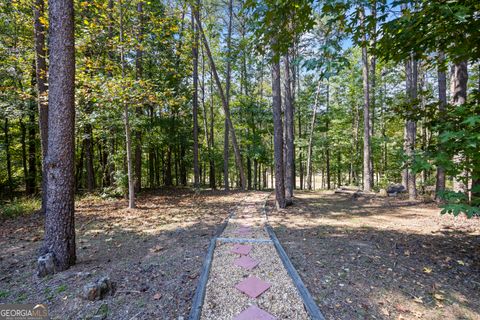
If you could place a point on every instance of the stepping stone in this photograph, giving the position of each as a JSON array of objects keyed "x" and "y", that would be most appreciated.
[
  {"x": 254, "y": 313},
  {"x": 253, "y": 286},
  {"x": 246, "y": 262},
  {"x": 241, "y": 249}
]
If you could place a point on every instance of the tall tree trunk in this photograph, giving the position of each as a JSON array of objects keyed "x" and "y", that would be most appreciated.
[
  {"x": 9, "y": 156},
  {"x": 88, "y": 142},
  {"x": 278, "y": 136},
  {"x": 372, "y": 78},
  {"x": 442, "y": 98},
  {"x": 139, "y": 110},
  {"x": 458, "y": 90},
  {"x": 226, "y": 108},
  {"x": 226, "y": 151},
  {"x": 411, "y": 128},
  {"x": 126, "y": 122},
  {"x": 23, "y": 143},
  {"x": 211, "y": 155},
  {"x": 41, "y": 79},
  {"x": 31, "y": 182},
  {"x": 327, "y": 139},
  {"x": 367, "y": 170},
  {"x": 310, "y": 138},
  {"x": 59, "y": 213},
  {"x": 196, "y": 170},
  {"x": 289, "y": 138}
]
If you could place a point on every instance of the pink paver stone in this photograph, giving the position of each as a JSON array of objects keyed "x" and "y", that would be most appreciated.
[
  {"x": 242, "y": 249},
  {"x": 246, "y": 262},
  {"x": 254, "y": 313},
  {"x": 253, "y": 287}
]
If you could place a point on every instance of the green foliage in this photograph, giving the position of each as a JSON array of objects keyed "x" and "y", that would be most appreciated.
[
  {"x": 431, "y": 26},
  {"x": 19, "y": 206}
]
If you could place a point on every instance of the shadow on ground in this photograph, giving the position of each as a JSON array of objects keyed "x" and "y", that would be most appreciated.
[
  {"x": 153, "y": 254},
  {"x": 374, "y": 258}
]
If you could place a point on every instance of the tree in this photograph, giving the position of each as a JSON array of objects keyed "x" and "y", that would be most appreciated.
[
  {"x": 367, "y": 162},
  {"x": 126, "y": 121},
  {"x": 226, "y": 109},
  {"x": 442, "y": 102},
  {"x": 289, "y": 138},
  {"x": 41, "y": 80},
  {"x": 278, "y": 136},
  {"x": 196, "y": 171},
  {"x": 59, "y": 209}
]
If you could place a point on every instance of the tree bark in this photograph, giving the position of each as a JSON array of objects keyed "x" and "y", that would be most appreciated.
[
  {"x": 411, "y": 128},
  {"x": 289, "y": 138},
  {"x": 31, "y": 182},
  {"x": 226, "y": 108},
  {"x": 41, "y": 79},
  {"x": 278, "y": 136},
  {"x": 196, "y": 170},
  {"x": 59, "y": 213},
  {"x": 367, "y": 162},
  {"x": 226, "y": 151},
  {"x": 310, "y": 138},
  {"x": 442, "y": 99},
  {"x": 126, "y": 122},
  {"x": 139, "y": 110}
]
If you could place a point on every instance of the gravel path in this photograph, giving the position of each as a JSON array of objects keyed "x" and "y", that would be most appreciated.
[{"x": 224, "y": 298}]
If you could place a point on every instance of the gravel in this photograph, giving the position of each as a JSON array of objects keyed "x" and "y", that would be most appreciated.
[{"x": 223, "y": 300}]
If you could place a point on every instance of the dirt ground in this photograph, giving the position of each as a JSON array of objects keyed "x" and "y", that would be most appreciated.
[
  {"x": 382, "y": 258},
  {"x": 153, "y": 254}
]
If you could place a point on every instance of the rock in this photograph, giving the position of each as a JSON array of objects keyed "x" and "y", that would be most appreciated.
[
  {"x": 98, "y": 290},
  {"x": 382, "y": 193},
  {"x": 396, "y": 188},
  {"x": 46, "y": 265}
]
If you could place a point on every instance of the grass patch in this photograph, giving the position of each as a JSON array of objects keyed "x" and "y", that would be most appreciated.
[
  {"x": 19, "y": 206},
  {"x": 4, "y": 294}
]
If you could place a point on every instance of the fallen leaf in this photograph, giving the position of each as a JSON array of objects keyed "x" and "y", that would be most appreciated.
[
  {"x": 157, "y": 296},
  {"x": 460, "y": 262},
  {"x": 439, "y": 296},
  {"x": 418, "y": 300},
  {"x": 427, "y": 270}
]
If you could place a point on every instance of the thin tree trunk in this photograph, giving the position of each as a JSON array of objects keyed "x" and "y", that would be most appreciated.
[
  {"x": 289, "y": 138},
  {"x": 59, "y": 213},
  {"x": 411, "y": 128},
  {"x": 88, "y": 142},
  {"x": 226, "y": 108},
  {"x": 310, "y": 138},
  {"x": 9, "y": 156},
  {"x": 196, "y": 170},
  {"x": 442, "y": 98},
  {"x": 367, "y": 170},
  {"x": 211, "y": 155},
  {"x": 327, "y": 139},
  {"x": 41, "y": 79},
  {"x": 226, "y": 151},
  {"x": 278, "y": 136},
  {"x": 31, "y": 182},
  {"x": 458, "y": 90},
  {"x": 128, "y": 140},
  {"x": 139, "y": 110}
]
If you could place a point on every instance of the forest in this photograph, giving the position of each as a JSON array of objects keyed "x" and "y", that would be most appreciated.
[{"x": 125, "y": 102}]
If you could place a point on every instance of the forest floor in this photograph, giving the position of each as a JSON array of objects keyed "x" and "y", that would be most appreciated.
[
  {"x": 382, "y": 258},
  {"x": 153, "y": 254}
]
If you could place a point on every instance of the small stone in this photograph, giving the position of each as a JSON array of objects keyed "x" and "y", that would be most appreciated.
[
  {"x": 98, "y": 290},
  {"x": 46, "y": 265}
]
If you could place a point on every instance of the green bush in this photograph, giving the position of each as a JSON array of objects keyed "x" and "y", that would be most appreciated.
[{"x": 19, "y": 206}]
